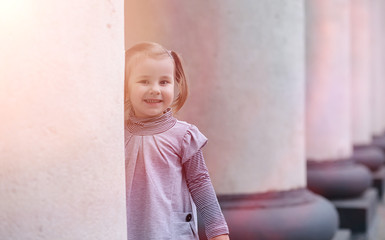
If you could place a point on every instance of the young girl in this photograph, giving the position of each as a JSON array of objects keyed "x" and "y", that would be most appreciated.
[{"x": 165, "y": 170}]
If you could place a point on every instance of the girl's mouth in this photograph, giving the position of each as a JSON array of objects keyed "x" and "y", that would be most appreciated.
[{"x": 153, "y": 100}]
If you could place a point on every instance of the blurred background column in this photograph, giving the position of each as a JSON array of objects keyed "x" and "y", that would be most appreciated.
[
  {"x": 331, "y": 172},
  {"x": 247, "y": 76},
  {"x": 377, "y": 49},
  {"x": 61, "y": 108},
  {"x": 363, "y": 87}
]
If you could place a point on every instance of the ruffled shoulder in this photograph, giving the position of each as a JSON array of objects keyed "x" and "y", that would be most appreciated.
[{"x": 193, "y": 141}]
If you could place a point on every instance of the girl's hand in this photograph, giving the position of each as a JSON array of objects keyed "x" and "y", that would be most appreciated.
[{"x": 221, "y": 237}]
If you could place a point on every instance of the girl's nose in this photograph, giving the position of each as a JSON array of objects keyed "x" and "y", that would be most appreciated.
[{"x": 155, "y": 90}]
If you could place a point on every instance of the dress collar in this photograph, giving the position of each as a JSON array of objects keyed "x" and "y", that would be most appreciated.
[{"x": 151, "y": 126}]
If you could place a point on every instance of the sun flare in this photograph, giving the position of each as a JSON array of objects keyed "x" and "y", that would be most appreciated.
[{"x": 12, "y": 11}]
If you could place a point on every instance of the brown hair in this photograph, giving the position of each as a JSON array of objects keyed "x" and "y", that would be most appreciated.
[{"x": 155, "y": 50}]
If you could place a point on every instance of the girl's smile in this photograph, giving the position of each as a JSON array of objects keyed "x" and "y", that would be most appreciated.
[
  {"x": 151, "y": 86},
  {"x": 153, "y": 100}
]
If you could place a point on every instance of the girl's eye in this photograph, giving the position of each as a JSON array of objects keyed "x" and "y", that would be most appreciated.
[
  {"x": 144, "y": 82},
  {"x": 164, "y": 82}
]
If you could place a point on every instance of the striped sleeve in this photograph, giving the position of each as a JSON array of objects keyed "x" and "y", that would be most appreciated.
[{"x": 203, "y": 194}]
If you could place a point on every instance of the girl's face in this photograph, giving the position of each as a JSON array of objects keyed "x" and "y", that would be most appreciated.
[{"x": 151, "y": 86}]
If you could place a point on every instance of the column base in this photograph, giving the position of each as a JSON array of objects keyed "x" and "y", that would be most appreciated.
[
  {"x": 369, "y": 155},
  {"x": 290, "y": 215},
  {"x": 379, "y": 141},
  {"x": 342, "y": 234},
  {"x": 379, "y": 182},
  {"x": 357, "y": 214},
  {"x": 335, "y": 179}
]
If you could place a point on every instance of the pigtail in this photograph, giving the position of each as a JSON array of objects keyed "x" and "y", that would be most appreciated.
[{"x": 181, "y": 80}]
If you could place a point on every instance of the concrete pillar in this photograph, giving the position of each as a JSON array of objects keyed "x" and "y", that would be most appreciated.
[
  {"x": 378, "y": 100},
  {"x": 331, "y": 172},
  {"x": 362, "y": 86},
  {"x": 382, "y": 50},
  {"x": 331, "y": 169},
  {"x": 377, "y": 67},
  {"x": 378, "y": 72},
  {"x": 246, "y": 68},
  {"x": 61, "y": 131}
]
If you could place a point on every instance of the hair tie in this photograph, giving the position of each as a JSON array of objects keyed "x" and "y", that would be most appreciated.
[{"x": 169, "y": 53}]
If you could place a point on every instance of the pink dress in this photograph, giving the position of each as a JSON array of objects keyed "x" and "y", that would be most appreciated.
[{"x": 159, "y": 202}]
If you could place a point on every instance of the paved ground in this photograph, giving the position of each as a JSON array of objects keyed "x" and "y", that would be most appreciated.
[
  {"x": 381, "y": 222},
  {"x": 377, "y": 231}
]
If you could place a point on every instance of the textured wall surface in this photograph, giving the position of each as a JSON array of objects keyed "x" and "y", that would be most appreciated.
[
  {"x": 61, "y": 131},
  {"x": 246, "y": 67}
]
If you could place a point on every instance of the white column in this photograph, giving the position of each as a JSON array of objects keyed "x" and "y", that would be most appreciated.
[
  {"x": 61, "y": 132},
  {"x": 328, "y": 88},
  {"x": 377, "y": 59},
  {"x": 252, "y": 108},
  {"x": 364, "y": 86},
  {"x": 361, "y": 73},
  {"x": 382, "y": 53},
  {"x": 328, "y": 97},
  {"x": 377, "y": 66}
]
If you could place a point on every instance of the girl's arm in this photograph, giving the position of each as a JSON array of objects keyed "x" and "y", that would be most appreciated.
[
  {"x": 221, "y": 237},
  {"x": 203, "y": 194}
]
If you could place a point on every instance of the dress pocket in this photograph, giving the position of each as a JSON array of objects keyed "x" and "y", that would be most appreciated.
[{"x": 183, "y": 226}]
